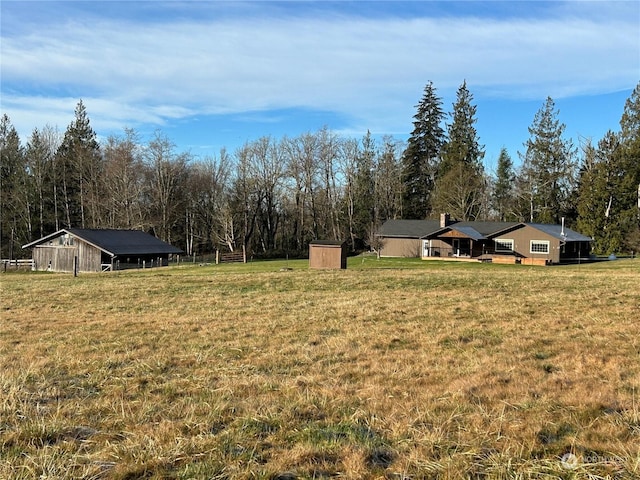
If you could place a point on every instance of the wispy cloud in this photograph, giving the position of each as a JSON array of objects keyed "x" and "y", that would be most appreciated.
[{"x": 370, "y": 69}]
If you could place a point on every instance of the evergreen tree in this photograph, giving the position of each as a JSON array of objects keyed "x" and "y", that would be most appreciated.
[
  {"x": 460, "y": 183},
  {"x": 80, "y": 170},
  {"x": 599, "y": 215},
  {"x": 422, "y": 155},
  {"x": 609, "y": 187},
  {"x": 503, "y": 192},
  {"x": 629, "y": 190},
  {"x": 548, "y": 168},
  {"x": 12, "y": 172},
  {"x": 463, "y": 145}
]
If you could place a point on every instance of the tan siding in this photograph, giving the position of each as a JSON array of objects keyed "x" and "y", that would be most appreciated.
[
  {"x": 401, "y": 247},
  {"x": 326, "y": 256},
  {"x": 522, "y": 243}
]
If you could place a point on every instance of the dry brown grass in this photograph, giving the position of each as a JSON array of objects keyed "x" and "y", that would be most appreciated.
[{"x": 416, "y": 370}]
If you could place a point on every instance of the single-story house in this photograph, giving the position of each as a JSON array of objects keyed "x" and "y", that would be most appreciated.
[
  {"x": 96, "y": 250},
  {"x": 489, "y": 241}
]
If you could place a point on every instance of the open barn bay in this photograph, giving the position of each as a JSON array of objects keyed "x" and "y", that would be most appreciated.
[{"x": 390, "y": 369}]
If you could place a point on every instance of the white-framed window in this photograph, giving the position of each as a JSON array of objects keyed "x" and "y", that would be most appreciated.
[
  {"x": 504, "y": 245},
  {"x": 539, "y": 246}
]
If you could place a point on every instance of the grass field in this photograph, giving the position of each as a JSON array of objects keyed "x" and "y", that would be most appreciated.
[{"x": 391, "y": 369}]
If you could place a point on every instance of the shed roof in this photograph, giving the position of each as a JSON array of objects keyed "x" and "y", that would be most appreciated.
[
  {"x": 115, "y": 242},
  {"x": 327, "y": 243}
]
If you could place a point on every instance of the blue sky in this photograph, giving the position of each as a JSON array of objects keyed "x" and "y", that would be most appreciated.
[{"x": 218, "y": 74}]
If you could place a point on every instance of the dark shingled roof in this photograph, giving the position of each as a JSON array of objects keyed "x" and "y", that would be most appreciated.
[
  {"x": 557, "y": 231},
  {"x": 408, "y": 228},
  {"x": 474, "y": 230},
  {"x": 116, "y": 242}
]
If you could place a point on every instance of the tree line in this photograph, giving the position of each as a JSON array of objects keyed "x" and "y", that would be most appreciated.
[{"x": 272, "y": 196}]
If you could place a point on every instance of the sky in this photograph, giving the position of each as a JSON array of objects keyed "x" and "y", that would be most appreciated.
[{"x": 214, "y": 74}]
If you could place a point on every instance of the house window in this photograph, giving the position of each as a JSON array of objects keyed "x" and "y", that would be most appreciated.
[
  {"x": 539, "y": 246},
  {"x": 504, "y": 245}
]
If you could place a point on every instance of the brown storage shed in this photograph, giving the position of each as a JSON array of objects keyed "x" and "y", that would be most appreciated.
[{"x": 327, "y": 254}]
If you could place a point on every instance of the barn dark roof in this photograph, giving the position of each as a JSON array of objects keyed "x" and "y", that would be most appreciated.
[{"x": 116, "y": 242}]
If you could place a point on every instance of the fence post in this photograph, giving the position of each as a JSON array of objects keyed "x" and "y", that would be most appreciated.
[{"x": 75, "y": 266}]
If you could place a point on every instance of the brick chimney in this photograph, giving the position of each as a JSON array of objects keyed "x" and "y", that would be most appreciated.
[{"x": 445, "y": 220}]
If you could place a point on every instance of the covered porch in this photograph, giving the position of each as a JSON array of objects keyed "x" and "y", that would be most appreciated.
[{"x": 451, "y": 243}]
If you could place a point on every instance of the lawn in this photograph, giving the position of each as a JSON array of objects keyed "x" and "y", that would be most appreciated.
[{"x": 390, "y": 369}]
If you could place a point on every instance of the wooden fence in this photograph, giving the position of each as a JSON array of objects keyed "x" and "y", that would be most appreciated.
[
  {"x": 17, "y": 263},
  {"x": 231, "y": 256}
]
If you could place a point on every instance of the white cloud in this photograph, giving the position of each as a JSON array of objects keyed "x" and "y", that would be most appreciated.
[{"x": 371, "y": 70}]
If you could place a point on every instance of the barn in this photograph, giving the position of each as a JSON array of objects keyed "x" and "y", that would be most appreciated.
[{"x": 98, "y": 250}]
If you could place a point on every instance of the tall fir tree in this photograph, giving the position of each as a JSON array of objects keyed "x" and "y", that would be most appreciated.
[
  {"x": 460, "y": 183},
  {"x": 422, "y": 155},
  {"x": 503, "y": 190},
  {"x": 80, "y": 170},
  {"x": 463, "y": 145},
  {"x": 599, "y": 214},
  {"x": 548, "y": 168},
  {"x": 609, "y": 186},
  {"x": 12, "y": 172},
  {"x": 629, "y": 191}
]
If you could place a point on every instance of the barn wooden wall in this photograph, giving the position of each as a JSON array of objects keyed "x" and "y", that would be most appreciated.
[{"x": 61, "y": 257}]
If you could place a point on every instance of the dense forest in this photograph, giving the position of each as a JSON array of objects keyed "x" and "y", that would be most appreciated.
[{"x": 273, "y": 196}]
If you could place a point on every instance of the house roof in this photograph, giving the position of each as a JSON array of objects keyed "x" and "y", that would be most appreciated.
[
  {"x": 115, "y": 242},
  {"x": 408, "y": 228},
  {"x": 473, "y": 230},
  {"x": 470, "y": 232},
  {"x": 561, "y": 233}
]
